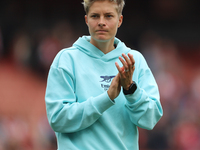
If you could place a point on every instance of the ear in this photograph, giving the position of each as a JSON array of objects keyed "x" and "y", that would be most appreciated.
[
  {"x": 86, "y": 19},
  {"x": 120, "y": 21}
]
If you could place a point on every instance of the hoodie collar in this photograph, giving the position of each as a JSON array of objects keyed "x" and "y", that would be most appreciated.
[{"x": 84, "y": 45}]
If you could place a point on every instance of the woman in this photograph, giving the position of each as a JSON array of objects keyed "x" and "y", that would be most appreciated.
[{"x": 99, "y": 91}]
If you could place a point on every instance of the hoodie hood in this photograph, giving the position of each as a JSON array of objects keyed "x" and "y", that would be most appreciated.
[{"x": 83, "y": 44}]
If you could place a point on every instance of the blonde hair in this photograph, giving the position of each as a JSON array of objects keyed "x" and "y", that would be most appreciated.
[{"x": 88, "y": 3}]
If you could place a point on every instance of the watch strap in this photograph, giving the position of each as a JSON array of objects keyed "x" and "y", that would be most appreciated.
[{"x": 131, "y": 89}]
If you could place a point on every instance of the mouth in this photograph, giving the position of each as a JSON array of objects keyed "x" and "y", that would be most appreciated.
[{"x": 101, "y": 31}]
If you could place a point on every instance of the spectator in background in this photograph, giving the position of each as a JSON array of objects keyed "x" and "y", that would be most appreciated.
[{"x": 95, "y": 99}]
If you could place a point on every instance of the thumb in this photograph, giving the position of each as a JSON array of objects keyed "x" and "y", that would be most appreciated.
[{"x": 117, "y": 78}]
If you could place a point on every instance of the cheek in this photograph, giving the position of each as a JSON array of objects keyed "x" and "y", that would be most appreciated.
[
  {"x": 91, "y": 27},
  {"x": 114, "y": 26}
]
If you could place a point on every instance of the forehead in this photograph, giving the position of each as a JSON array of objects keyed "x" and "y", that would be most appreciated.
[{"x": 103, "y": 6}]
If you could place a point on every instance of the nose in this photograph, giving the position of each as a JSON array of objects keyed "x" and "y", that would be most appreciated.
[
  {"x": 101, "y": 22},
  {"x": 101, "y": 25}
]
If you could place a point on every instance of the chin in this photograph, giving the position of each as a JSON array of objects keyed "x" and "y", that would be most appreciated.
[{"x": 102, "y": 38}]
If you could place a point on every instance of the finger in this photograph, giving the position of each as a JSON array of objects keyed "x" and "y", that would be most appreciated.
[
  {"x": 119, "y": 68},
  {"x": 118, "y": 80},
  {"x": 117, "y": 77},
  {"x": 131, "y": 58},
  {"x": 123, "y": 63},
  {"x": 128, "y": 61}
]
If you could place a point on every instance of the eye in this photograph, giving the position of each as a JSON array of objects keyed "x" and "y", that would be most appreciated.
[
  {"x": 109, "y": 16},
  {"x": 94, "y": 16}
]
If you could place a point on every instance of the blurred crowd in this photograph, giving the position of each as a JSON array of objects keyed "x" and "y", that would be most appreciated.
[
  {"x": 174, "y": 61},
  {"x": 16, "y": 134},
  {"x": 177, "y": 72},
  {"x": 37, "y": 51}
]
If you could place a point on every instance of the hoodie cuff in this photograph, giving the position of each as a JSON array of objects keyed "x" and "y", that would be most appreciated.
[
  {"x": 132, "y": 98},
  {"x": 102, "y": 102}
]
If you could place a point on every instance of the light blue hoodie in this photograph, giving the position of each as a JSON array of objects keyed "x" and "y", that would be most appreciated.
[{"x": 79, "y": 109}]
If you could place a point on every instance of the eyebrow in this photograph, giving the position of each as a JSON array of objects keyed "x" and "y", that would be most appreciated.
[
  {"x": 109, "y": 13},
  {"x": 105, "y": 13}
]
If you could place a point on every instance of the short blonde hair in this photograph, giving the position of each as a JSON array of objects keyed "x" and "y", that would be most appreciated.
[{"x": 88, "y": 3}]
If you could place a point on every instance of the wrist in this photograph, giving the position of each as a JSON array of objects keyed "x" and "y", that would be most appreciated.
[
  {"x": 110, "y": 96},
  {"x": 128, "y": 86},
  {"x": 132, "y": 88}
]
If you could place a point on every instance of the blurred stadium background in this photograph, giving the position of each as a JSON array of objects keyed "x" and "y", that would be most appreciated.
[{"x": 166, "y": 32}]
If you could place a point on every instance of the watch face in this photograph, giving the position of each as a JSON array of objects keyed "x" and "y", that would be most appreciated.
[{"x": 131, "y": 90}]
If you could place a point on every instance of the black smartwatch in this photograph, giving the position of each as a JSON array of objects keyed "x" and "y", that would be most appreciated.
[{"x": 131, "y": 89}]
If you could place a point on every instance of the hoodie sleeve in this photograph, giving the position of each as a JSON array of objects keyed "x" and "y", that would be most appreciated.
[
  {"x": 65, "y": 114},
  {"x": 144, "y": 107}
]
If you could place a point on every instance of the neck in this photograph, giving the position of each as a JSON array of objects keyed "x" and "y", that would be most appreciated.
[{"x": 104, "y": 46}]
